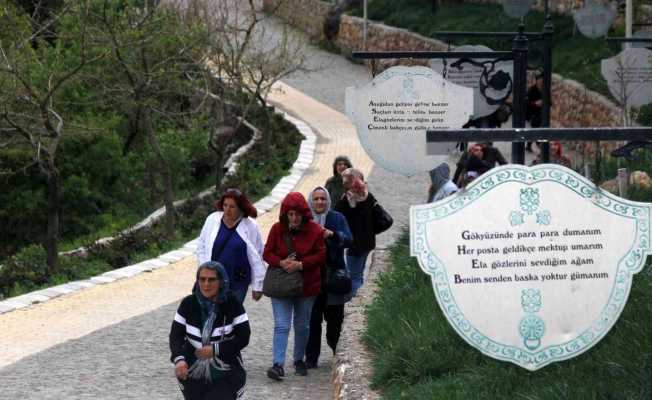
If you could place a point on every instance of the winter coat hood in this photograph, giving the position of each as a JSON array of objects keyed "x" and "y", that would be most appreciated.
[
  {"x": 439, "y": 176},
  {"x": 295, "y": 201},
  {"x": 338, "y": 159}
]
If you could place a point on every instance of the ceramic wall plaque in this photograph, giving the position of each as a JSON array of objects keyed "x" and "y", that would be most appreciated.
[
  {"x": 531, "y": 265},
  {"x": 393, "y": 112}
]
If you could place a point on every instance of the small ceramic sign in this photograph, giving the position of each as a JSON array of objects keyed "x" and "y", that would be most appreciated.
[
  {"x": 594, "y": 19},
  {"x": 393, "y": 112},
  {"x": 629, "y": 76}
]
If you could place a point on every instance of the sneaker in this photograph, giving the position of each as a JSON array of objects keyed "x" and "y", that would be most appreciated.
[
  {"x": 276, "y": 372},
  {"x": 311, "y": 364},
  {"x": 300, "y": 368}
]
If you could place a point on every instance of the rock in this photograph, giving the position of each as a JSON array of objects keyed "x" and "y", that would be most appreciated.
[
  {"x": 640, "y": 179},
  {"x": 610, "y": 186},
  {"x": 637, "y": 178}
]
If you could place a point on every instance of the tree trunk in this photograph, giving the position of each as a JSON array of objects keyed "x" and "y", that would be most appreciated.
[
  {"x": 52, "y": 233},
  {"x": 164, "y": 171}
]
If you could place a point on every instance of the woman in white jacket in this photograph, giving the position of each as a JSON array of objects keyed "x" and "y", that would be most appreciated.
[{"x": 231, "y": 237}]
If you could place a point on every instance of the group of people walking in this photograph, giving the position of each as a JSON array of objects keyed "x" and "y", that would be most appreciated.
[{"x": 323, "y": 241}]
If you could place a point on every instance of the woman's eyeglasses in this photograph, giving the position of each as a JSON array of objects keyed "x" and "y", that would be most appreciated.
[{"x": 207, "y": 280}]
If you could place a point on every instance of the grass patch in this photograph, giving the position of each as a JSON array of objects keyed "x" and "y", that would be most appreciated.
[{"x": 418, "y": 355}]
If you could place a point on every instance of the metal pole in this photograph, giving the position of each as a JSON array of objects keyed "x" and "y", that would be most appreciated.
[
  {"x": 519, "y": 47},
  {"x": 548, "y": 30},
  {"x": 623, "y": 182},
  {"x": 364, "y": 28},
  {"x": 629, "y": 17}
]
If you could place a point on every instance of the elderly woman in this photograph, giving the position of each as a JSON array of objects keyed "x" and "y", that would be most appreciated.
[
  {"x": 328, "y": 306},
  {"x": 231, "y": 236},
  {"x": 209, "y": 330},
  {"x": 295, "y": 243},
  {"x": 357, "y": 206}
]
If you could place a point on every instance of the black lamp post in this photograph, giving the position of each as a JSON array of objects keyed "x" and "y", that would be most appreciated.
[{"x": 548, "y": 30}]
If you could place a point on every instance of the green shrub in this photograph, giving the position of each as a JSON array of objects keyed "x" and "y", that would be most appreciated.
[{"x": 24, "y": 271}]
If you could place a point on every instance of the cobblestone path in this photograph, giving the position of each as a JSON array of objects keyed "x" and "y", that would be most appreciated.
[{"x": 110, "y": 341}]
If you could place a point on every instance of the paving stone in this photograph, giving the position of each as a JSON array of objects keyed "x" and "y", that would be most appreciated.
[
  {"x": 85, "y": 284},
  {"x": 14, "y": 305},
  {"x": 154, "y": 263},
  {"x": 6, "y": 307},
  {"x": 100, "y": 280},
  {"x": 172, "y": 256},
  {"x": 126, "y": 272},
  {"x": 65, "y": 288},
  {"x": 31, "y": 298},
  {"x": 49, "y": 293}
]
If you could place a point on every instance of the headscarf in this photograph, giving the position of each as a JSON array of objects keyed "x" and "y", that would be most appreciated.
[
  {"x": 319, "y": 218},
  {"x": 294, "y": 201},
  {"x": 345, "y": 159},
  {"x": 201, "y": 369},
  {"x": 439, "y": 176}
]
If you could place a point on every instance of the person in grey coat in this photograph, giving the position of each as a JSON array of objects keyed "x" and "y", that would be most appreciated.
[
  {"x": 442, "y": 186},
  {"x": 334, "y": 184}
]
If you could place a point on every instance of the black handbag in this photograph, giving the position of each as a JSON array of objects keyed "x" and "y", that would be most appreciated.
[
  {"x": 338, "y": 281},
  {"x": 280, "y": 284},
  {"x": 382, "y": 220}
]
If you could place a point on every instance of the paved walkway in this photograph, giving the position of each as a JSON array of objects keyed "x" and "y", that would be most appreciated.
[{"x": 110, "y": 341}]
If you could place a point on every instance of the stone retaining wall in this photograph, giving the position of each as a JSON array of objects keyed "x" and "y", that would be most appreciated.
[{"x": 563, "y": 7}]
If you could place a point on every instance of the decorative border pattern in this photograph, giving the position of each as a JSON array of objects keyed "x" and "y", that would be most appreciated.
[{"x": 629, "y": 265}]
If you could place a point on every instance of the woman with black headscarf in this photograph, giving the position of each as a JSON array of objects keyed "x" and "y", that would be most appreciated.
[{"x": 209, "y": 330}]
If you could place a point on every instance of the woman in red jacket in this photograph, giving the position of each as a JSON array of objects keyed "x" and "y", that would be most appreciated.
[{"x": 307, "y": 254}]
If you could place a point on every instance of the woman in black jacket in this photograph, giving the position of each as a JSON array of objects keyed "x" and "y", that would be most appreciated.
[
  {"x": 357, "y": 205},
  {"x": 209, "y": 330}
]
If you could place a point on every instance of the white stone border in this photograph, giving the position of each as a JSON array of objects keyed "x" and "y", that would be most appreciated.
[{"x": 285, "y": 186}]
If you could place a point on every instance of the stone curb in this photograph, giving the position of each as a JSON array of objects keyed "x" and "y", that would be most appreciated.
[
  {"x": 352, "y": 369},
  {"x": 304, "y": 159}
]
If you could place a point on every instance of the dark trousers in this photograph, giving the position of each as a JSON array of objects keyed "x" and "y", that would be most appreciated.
[
  {"x": 230, "y": 388},
  {"x": 333, "y": 315}
]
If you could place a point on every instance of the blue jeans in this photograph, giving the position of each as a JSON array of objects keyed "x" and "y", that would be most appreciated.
[
  {"x": 241, "y": 294},
  {"x": 355, "y": 265},
  {"x": 282, "y": 309}
]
